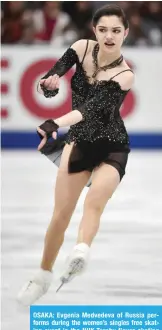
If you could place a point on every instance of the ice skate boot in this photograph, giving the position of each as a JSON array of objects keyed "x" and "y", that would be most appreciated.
[
  {"x": 35, "y": 288},
  {"x": 76, "y": 263}
]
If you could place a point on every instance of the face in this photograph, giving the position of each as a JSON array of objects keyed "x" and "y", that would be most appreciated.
[
  {"x": 110, "y": 33},
  {"x": 52, "y": 5},
  {"x": 154, "y": 7},
  {"x": 83, "y": 5},
  {"x": 135, "y": 20},
  {"x": 16, "y": 5}
]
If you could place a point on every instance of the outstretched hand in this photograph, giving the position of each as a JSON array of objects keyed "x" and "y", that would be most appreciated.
[{"x": 44, "y": 140}]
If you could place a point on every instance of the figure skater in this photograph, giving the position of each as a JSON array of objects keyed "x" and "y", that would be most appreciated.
[{"x": 97, "y": 142}]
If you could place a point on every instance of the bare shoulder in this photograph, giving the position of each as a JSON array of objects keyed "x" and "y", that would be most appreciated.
[
  {"x": 125, "y": 77},
  {"x": 80, "y": 47}
]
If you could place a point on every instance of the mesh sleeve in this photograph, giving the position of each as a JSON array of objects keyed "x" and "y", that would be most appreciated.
[{"x": 60, "y": 68}]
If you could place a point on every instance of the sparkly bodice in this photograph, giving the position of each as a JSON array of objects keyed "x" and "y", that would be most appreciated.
[{"x": 99, "y": 104}]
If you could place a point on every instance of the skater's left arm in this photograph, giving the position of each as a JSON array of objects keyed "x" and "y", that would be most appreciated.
[{"x": 49, "y": 83}]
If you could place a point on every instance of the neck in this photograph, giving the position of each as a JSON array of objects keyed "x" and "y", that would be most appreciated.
[{"x": 106, "y": 59}]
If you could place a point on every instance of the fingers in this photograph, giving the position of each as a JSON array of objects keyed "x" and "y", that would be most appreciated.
[
  {"x": 41, "y": 131},
  {"x": 44, "y": 140},
  {"x": 42, "y": 143},
  {"x": 58, "y": 84},
  {"x": 54, "y": 135},
  {"x": 51, "y": 83}
]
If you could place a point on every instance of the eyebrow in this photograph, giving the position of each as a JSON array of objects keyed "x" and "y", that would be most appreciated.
[{"x": 114, "y": 27}]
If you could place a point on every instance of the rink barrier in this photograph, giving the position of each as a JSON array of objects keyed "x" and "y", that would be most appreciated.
[{"x": 30, "y": 140}]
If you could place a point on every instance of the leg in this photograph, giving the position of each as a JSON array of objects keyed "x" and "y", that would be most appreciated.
[
  {"x": 104, "y": 182},
  {"x": 67, "y": 191},
  {"x": 105, "y": 179}
]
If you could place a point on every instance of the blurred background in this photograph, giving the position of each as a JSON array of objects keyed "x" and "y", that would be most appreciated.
[
  {"x": 61, "y": 23},
  {"x": 34, "y": 34}
]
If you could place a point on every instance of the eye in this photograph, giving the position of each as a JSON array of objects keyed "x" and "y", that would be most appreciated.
[
  {"x": 116, "y": 31},
  {"x": 102, "y": 30}
]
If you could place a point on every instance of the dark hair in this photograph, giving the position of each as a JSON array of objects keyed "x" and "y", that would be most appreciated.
[{"x": 110, "y": 10}]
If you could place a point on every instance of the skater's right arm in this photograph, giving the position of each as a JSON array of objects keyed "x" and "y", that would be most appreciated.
[{"x": 49, "y": 84}]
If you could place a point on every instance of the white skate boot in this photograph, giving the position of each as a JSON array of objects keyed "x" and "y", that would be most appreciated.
[
  {"x": 76, "y": 263},
  {"x": 35, "y": 288}
]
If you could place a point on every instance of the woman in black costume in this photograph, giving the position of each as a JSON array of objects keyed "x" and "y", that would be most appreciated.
[{"x": 97, "y": 142}]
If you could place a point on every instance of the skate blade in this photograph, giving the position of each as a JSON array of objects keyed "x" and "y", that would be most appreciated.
[
  {"x": 73, "y": 273},
  {"x": 63, "y": 281},
  {"x": 60, "y": 286}
]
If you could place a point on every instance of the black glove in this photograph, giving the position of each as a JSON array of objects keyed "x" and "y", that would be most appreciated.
[
  {"x": 52, "y": 146},
  {"x": 49, "y": 126},
  {"x": 49, "y": 93}
]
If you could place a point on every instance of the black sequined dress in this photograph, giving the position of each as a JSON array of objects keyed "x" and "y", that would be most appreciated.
[{"x": 101, "y": 135}]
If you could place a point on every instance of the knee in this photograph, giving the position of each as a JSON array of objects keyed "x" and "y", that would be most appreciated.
[
  {"x": 60, "y": 219},
  {"x": 93, "y": 204}
]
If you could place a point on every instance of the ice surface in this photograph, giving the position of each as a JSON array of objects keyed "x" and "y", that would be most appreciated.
[{"x": 126, "y": 256}]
